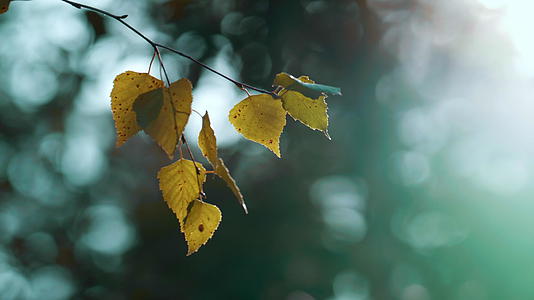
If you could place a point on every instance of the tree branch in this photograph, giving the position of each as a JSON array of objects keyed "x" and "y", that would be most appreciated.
[{"x": 156, "y": 47}]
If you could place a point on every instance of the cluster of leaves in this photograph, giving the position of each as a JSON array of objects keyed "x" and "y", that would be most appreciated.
[
  {"x": 262, "y": 118},
  {"x": 142, "y": 102}
]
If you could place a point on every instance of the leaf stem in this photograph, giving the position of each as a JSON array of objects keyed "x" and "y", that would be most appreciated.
[
  {"x": 156, "y": 46},
  {"x": 151, "y": 61},
  {"x": 164, "y": 70}
]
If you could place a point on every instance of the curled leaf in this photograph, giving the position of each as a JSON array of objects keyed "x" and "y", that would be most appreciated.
[
  {"x": 222, "y": 171},
  {"x": 305, "y": 86},
  {"x": 207, "y": 143},
  {"x": 126, "y": 88},
  {"x": 202, "y": 221},
  {"x": 260, "y": 118}
]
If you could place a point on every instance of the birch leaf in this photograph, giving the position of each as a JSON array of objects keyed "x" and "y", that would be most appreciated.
[
  {"x": 260, "y": 118},
  {"x": 148, "y": 106},
  {"x": 306, "y": 87},
  {"x": 202, "y": 221},
  {"x": 126, "y": 88},
  {"x": 180, "y": 185},
  {"x": 168, "y": 127},
  {"x": 222, "y": 171},
  {"x": 207, "y": 143},
  {"x": 312, "y": 113}
]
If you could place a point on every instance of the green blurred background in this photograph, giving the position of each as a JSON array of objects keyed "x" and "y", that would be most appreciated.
[{"x": 423, "y": 193}]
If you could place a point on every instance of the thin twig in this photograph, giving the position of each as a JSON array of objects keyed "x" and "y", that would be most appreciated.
[
  {"x": 240, "y": 85},
  {"x": 156, "y": 46},
  {"x": 201, "y": 187},
  {"x": 163, "y": 67},
  {"x": 151, "y": 61},
  {"x": 195, "y": 111}
]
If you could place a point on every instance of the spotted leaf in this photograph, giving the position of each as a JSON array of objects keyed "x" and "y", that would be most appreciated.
[
  {"x": 260, "y": 118},
  {"x": 126, "y": 88},
  {"x": 202, "y": 221}
]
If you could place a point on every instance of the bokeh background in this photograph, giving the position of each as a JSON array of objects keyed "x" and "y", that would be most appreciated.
[{"x": 425, "y": 191}]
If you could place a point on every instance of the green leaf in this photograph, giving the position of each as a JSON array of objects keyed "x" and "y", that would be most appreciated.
[
  {"x": 305, "y": 86},
  {"x": 148, "y": 106}
]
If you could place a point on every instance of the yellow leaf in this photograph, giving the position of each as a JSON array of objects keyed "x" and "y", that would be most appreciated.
[
  {"x": 202, "y": 221},
  {"x": 284, "y": 80},
  {"x": 126, "y": 88},
  {"x": 163, "y": 129},
  {"x": 4, "y": 6},
  {"x": 312, "y": 113},
  {"x": 306, "y": 79},
  {"x": 180, "y": 185},
  {"x": 260, "y": 118},
  {"x": 207, "y": 143},
  {"x": 222, "y": 171}
]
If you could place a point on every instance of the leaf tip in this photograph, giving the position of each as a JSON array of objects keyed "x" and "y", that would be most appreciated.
[{"x": 276, "y": 151}]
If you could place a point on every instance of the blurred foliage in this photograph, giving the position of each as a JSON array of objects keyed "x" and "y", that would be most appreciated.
[{"x": 366, "y": 216}]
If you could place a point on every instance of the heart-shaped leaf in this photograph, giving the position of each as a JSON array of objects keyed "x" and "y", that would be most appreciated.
[{"x": 260, "y": 118}]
